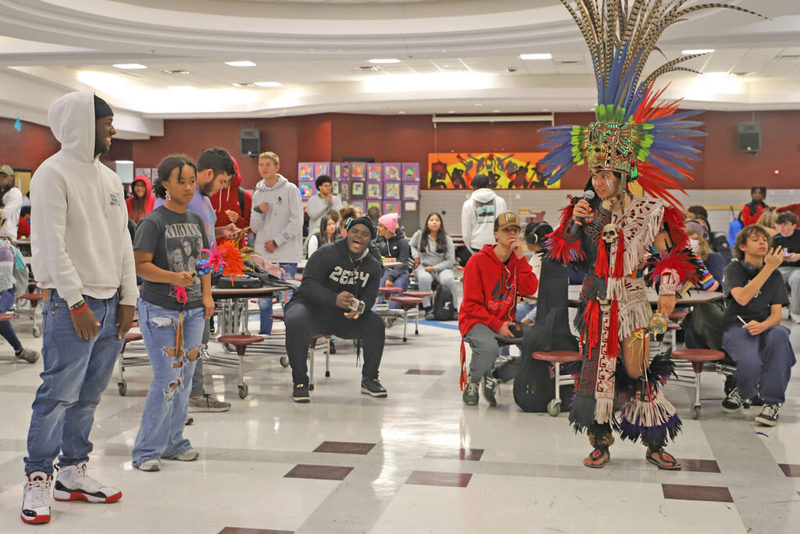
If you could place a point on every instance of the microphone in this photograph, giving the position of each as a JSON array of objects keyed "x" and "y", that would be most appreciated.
[{"x": 588, "y": 196}]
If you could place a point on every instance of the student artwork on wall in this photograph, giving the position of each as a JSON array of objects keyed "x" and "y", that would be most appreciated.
[
  {"x": 344, "y": 190},
  {"x": 391, "y": 206},
  {"x": 410, "y": 205},
  {"x": 358, "y": 171},
  {"x": 306, "y": 190},
  {"x": 336, "y": 171},
  {"x": 335, "y": 188},
  {"x": 374, "y": 191},
  {"x": 505, "y": 170},
  {"x": 411, "y": 191},
  {"x": 321, "y": 168},
  {"x": 411, "y": 172},
  {"x": 138, "y": 171},
  {"x": 357, "y": 189},
  {"x": 374, "y": 204},
  {"x": 346, "y": 171},
  {"x": 374, "y": 172},
  {"x": 392, "y": 172},
  {"x": 305, "y": 171},
  {"x": 391, "y": 190}
]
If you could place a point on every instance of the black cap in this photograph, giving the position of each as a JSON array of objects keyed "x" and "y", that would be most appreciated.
[
  {"x": 362, "y": 220},
  {"x": 101, "y": 108}
]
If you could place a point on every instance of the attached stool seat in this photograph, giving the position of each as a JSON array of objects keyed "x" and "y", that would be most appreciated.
[
  {"x": 408, "y": 303},
  {"x": 697, "y": 357},
  {"x": 241, "y": 342},
  {"x": 556, "y": 358}
]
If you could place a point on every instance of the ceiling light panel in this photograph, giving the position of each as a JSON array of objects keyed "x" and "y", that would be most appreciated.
[
  {"x": 240, "y": 63},
  {"x": 536, "y": 56},
  {"x": 130, "y": 66}
]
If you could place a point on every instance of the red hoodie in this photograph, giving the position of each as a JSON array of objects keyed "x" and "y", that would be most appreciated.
[
  {"x": 228, "y": 199},
  {"x": 149, "y": 199},
  {"x": 491, "y": 288}
]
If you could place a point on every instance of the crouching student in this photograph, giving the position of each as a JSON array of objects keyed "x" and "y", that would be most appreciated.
[
  {"x": 753, "y": 335},
  {"x": 339, "y": 287},
  {"x": 172, "y": 307},
  {"x": 492, "y": 280}
]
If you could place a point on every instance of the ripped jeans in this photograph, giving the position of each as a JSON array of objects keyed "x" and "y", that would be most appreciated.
[{"x": 161, "y": 430}]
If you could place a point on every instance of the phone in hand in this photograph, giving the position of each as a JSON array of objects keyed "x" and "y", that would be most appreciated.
[{"x": 357, "y": 306}]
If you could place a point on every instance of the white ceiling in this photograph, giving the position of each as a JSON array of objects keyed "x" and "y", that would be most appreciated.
[{"x": 459, "y": 56}]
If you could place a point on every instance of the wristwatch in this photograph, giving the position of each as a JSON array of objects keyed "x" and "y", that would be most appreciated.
[{"x": 78, "y": 305}]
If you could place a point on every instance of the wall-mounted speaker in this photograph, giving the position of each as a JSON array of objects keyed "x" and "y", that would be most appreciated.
[
  {"x": 749, "y": 136},
  {"x": 250, "y": 142}
]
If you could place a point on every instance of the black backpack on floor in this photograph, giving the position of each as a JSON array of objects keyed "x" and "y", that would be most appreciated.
[{"x": 443, "y": 304}]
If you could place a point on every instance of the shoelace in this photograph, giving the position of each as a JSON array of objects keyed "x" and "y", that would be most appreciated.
[
  {"x": 771, "y": 410},
  {"x": 40, "y": 490}
]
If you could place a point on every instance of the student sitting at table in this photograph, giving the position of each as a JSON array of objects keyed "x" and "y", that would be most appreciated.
[
  {"x": 327, "y": 232},
  {"x": 754, "y": 337},
  {"x": 397, "y": 248},
  {"x": 704, "y": 324},
  {"x": 434, "y": 258}
]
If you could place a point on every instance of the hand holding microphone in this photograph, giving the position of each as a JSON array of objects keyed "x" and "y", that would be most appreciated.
[{"x": 582, "y": 208}]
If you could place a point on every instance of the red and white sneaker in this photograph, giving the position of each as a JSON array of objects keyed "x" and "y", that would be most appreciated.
[
  {"x": 36, "y": 498},
  {"x": 73, "y": 484}
]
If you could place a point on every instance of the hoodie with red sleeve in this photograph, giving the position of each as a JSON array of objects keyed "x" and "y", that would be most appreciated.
[
  {"x": 149, "y": 200},
  {"x": 491, "y": 289},
  {"x": 228, "y": 199}
]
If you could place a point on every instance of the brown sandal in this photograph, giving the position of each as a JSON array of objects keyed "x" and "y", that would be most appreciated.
[
  {"x": 663, "y": 460},
  {"x": 597, "y": 458}
]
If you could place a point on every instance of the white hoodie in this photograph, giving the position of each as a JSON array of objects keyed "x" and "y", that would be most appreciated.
[
  {"x": 80, "y": 242},
  {"x": 282, "y": 222},
  {"x": 477, "y": 217}
]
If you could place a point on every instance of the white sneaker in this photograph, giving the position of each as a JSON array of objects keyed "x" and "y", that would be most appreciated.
[
  {"x": 189, "y": 455},
  {"x": 36, "y": 498},
  {"x": 151, "y": 465},
  {"x": 795, "y": 317},
  {"x": 73, "y": 484}
]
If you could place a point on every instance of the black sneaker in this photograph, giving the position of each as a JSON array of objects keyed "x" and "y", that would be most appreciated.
[
  {"x": 732, "y": 402},
  {"x": 371, "y": 386},
  {"x": 300, "y": 393},
  {"x": 769, "y": 415}
]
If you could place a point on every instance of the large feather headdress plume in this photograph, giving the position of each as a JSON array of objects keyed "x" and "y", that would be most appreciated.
[{"x": 634, "y": 133}]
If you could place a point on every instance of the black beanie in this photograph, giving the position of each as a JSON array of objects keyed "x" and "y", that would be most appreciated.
[
  {"x": 101, "y": 108},
  {"x": 366, "y": 222}
]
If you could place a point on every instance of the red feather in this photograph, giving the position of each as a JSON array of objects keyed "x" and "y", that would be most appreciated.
[
  {"x": 679, "y": 261},
  {"x": 601, "y": 263},
  {"x": 676, "y": 227},
  {"x": 561, "y": 249}
]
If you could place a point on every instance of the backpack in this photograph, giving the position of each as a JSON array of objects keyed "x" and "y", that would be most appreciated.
[
  {"x": 443, "y": 304},
  {"x": 719, "y": 244}
]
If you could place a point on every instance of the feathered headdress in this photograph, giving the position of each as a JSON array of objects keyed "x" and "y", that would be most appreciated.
[{"x": 634, "y": 134}]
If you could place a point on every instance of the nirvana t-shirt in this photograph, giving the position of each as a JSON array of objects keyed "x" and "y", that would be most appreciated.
[
  {"x": 737, "y": 274},
  {"x": 175, "y": 240},
  {"x": 791, "y": 243}
]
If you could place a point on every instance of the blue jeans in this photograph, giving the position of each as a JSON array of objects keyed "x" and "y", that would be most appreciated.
[
  {"x": 400, "y": 281},
  {"x": 265, "y": 305},
  {"x": 164, "y": 416},
  {"x": 6, "y": 329},
  {"x": 75, "y": 374},
  {"x": 768, "y": 356}
]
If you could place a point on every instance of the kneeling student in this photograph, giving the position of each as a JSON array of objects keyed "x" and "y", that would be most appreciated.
[
  {"x": 753, "y": 335},
  {"x": 339, "y": 287}
]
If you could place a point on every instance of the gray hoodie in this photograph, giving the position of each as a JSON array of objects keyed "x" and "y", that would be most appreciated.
[
  {"x": 80, "y": 242},
  {"x": 282, "y": 222},
  {"x": 477, "y": 217}
]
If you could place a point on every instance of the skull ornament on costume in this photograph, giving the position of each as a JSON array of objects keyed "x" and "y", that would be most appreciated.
[{"x": 610, "y": 233}]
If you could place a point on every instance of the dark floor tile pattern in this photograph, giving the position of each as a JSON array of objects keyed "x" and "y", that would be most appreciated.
[
  {"x": 344, "y": 447},
  {"x": 700, "y": 466},
  {"x": 319, "y": 472},
  {"x": 433, "y": 478},
  {"x": 455, "y": 454},
  {"x": 428, "y": 372},
  {"x": 790, "y": 470},
  {"x": 237, "y": 530},
  {"x": 686, "y": 492}
]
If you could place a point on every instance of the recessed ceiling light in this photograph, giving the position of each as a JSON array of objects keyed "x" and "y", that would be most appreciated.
[
  {"x": 451, "y": 111},
  {"x": 495, "y": 111},
  {"x": 380, "y": 61},
  {"x": 240, "y": 63},
  {"x": 401, "y": 112},
  {"x": 268, "y": 84},
  {"x": 535, "y": 57},
  {"x": 129, "y": 66},
  {"x": 693, "y": 51}
]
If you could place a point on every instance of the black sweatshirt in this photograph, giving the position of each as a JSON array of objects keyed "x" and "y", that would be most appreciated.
[{"x": 330, "y": 270}]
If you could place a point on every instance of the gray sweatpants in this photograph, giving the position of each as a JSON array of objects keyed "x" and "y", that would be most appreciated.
[{"x": 484, "y": 351}]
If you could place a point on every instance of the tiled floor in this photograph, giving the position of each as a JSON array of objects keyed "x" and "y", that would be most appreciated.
[{"x": 416, "y": 462}]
